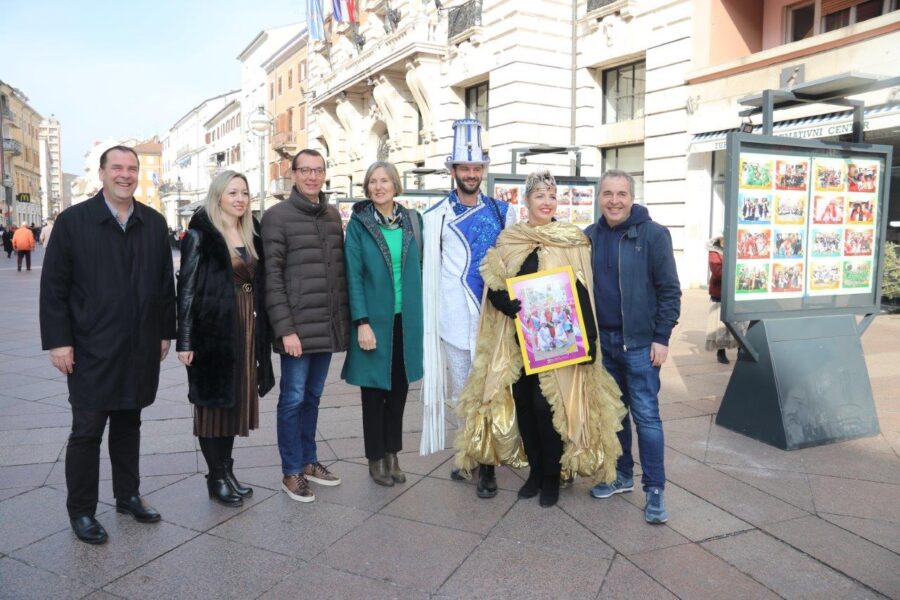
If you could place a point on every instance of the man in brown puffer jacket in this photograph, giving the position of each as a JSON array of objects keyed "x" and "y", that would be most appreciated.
[{"x": 306, "y": 297}]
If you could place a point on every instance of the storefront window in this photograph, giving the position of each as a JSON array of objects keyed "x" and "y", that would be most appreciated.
[{"x": 631, "y": 160}]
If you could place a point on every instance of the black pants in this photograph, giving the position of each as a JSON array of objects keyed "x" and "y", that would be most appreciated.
[
  {"x": 83, "y": 456},
  {"x": 26, "y": 254},
  {"x": 383, "y": 409},
  {"x": 543, "y": 445}
]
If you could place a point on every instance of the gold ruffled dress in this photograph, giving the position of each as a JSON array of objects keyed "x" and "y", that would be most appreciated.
[{"x": 584, "y": 398}]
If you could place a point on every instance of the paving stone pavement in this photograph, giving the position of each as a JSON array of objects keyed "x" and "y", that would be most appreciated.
[{"x": 747, "y": 520}]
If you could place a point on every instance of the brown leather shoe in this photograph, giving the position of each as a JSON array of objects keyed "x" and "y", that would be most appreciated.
[
  {"x": 297, "y": 488},
  {"x": 317, "y": 473}
]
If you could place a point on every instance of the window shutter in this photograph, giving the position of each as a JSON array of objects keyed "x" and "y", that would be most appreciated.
[{"x": 833, "y": 6}]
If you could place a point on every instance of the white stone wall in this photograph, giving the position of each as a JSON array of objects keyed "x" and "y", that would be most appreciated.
[{"x": 254, "y": 93}]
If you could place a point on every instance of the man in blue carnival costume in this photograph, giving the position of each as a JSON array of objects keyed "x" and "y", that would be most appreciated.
[{"x": 458, "y": 232}]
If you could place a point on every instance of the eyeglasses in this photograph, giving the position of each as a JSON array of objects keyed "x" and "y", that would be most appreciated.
[{"x": 306, "y": 171}]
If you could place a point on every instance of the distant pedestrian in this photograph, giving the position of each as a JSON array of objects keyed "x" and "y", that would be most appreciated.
[
  {"x": 23, "y": 244},
  {"x": 45, "y": 233},
  {"x": 223, "y": 328},
  {"x": 717, "y": 336},
  {"x": 107, "y": 313},
  {"x": 7, "y": 240},
  {"x": 384, "y": 278},
  {"x": 306, "y": 297}
]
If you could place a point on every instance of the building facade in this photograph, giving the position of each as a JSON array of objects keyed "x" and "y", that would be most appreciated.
[
  {"x": 287, "y": 87},
  {"x": 21, "y": 162},
  {"x": 88, "y": 183},
  {"x": 150, "y": 156},
  {"x": 51, "y": 168},
  {"x": 223, "y": 136},
  {"x": 68, "y": 180},
  {"x": 253, "y": 99},
  {"x": 741, "y": 48},
  {"x": 186, "y": 169}
]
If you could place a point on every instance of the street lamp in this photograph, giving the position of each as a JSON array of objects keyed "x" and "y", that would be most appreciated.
[{"x": 260, "y": 124}]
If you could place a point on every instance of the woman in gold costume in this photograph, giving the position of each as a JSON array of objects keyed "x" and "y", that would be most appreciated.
[{"x": 564, "y": 420}]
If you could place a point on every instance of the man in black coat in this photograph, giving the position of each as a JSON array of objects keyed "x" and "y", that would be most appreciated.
[{"x": 107, "y": 313}]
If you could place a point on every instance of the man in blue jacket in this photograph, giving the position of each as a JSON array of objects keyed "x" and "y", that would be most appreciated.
[{"x": 638, "y": 299}]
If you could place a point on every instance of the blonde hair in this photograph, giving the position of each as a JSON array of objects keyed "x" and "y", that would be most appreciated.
[
  {"x": 538, "y": 179},
  {"x": 214, "y": 211},
  {"x": 391, "y": 172}
]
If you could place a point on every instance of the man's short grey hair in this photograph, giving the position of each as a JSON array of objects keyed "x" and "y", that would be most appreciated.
[
  {"x": 618, "y": 173},
  {"x": 538, "y": 179}
]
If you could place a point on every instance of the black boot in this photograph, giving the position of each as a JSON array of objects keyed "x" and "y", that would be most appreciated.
[
  {"x": 219, "y": 490},
  {"x": 243, "y": 491},
  {"x": 487, "y": 482},
  {"x": 549, "y": 491},
  {"x": 720, "y": 356},
  {"x": 532, "y": 484}
]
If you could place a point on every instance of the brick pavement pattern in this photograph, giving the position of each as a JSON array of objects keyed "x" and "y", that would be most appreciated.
[{"x": 747, "y": 520}]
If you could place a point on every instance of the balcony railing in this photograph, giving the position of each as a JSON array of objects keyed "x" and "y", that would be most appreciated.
[
  {"x": 281, "y": 187},
  {"x": 593, "y": 5},
  {"x": 463, "y": 17},
  {"x": 285, "y": 143},
  {"x": 13, "y": 146},
  {"x": 10, "y": 117},
  {"x": 184, "y": 151}
]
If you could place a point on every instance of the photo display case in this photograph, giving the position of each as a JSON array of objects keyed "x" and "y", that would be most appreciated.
[
  {"x": 804, "y": 227},
  {"x": 416, "y": 200},
  {"x": 576, "y": 197}
]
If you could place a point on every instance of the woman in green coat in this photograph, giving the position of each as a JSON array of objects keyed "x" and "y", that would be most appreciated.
[{"x": 382, "y": 253}]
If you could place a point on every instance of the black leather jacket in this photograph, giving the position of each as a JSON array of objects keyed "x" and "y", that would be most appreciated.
[{"x": 206, "y": 320}]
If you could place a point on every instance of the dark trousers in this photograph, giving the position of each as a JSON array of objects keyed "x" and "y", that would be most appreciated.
[
  {"x": 383, "y": 409},
  {"x": 26, "y": 254},
  {"x": 543, "y": 445},
  {"x": 83, "y": 457}
]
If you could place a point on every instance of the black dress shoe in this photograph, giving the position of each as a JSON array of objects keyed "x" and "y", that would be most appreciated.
[
  {"x": 549, "y": 491},
  {"x": 137, "y": 508},
  {"x": 88, "y": 529},
  {"x": 532, "y": 485}
]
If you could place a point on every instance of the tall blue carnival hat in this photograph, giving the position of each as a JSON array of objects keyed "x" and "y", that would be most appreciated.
[{"x": 467, "y": 144}]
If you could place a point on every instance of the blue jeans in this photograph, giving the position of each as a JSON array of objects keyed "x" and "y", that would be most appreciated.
[
  {"x": 639, "y": 381},
  {"x": 302, "y": 382}
]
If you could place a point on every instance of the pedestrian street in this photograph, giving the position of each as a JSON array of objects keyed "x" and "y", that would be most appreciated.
[{"x": 746, "y": 520}]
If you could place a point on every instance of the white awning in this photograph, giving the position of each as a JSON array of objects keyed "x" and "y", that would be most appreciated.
[
  {"x": 818, "y": 126},
  {"x": 190, "y": 209}
]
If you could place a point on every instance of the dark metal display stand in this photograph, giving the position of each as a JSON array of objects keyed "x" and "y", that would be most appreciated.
[
  {"x": 807, "y": 386},
  {"x": 801, "y": 378}
]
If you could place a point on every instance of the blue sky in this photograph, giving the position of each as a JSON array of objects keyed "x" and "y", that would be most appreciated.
[{"x": 129, "y": 68}]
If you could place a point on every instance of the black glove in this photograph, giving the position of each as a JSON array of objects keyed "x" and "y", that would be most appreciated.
[
  {"x": 502, "y": 302},
  {"x": 592, "y": 352}
]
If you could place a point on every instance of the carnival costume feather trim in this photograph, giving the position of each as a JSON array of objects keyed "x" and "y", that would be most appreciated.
[{"x": 584, "y": 398}]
